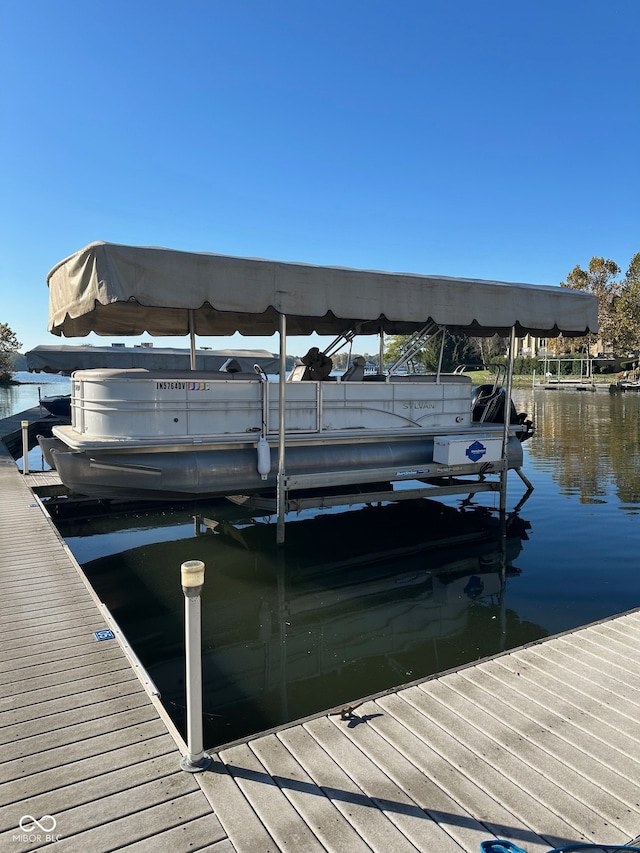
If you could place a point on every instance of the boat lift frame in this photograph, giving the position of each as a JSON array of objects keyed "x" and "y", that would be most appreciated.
[{"x": 447, "y": 485}]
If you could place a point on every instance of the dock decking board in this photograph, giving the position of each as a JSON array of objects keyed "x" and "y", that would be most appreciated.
[
  {"x": 373, "y": 826},
  {"x": 540, "y": 745},
  {"x": 80, "y": 738},
  {"x": 76, "y": 644},
  {"x": 87, "y": 768},
  {"x": 73, "y": 716}
]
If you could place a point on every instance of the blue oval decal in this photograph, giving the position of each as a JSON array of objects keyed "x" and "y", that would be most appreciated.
[{"x": 476, "y": 451}]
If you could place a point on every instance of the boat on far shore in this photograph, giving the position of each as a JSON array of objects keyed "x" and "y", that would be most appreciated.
[{"x": 59, "y": 406}]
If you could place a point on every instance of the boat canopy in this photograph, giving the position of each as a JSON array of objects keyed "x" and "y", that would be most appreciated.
[
  {"x": 112, "y": 289},
  {"x": 66, "y": 359}
]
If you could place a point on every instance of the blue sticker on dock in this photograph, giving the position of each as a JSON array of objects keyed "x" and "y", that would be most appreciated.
[{"x": 106, "y": 634}]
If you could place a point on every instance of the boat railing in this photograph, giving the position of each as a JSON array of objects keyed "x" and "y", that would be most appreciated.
[
  {"x": 201, "y": 403},
  {"x": 416, "y": 342},
  {"x": 499, "y": 371}
]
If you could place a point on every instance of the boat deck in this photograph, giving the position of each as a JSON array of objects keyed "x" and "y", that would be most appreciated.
[{"x": 539, "y": 745}]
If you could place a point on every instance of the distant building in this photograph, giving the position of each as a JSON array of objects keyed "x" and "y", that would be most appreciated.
[{"x": 531, "y": 347}]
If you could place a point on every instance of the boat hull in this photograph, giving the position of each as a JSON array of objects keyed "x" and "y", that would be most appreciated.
[
  {"x": 180, "y": 473},
  {"x": 59, "y": 407},
  {"x": 138, "y": 434}
]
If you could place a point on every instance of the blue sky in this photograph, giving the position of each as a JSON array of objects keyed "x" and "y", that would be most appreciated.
[{"x": 488, "y": 139}]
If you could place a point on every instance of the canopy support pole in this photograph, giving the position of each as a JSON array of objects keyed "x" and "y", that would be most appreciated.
[
  {"x": 381, "y": 353},
  {"x": 192, "y": 337},
  {"x": 281, "y": 495},
  {"x": 507, "y": 418},
  {"x": 444, "y": 335}
]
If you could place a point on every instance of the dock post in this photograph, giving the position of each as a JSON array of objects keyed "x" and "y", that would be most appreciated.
[
  {"x": 281, "y": 492},
  {"x": 192, "y": 575},
  {"x": 25, "y": 446},
  {"x": 507, "y": 416}
]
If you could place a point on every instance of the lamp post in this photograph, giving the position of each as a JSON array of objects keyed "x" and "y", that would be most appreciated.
[
  {"x": 25, "y": 446},
  {"x": 192, "y": 575}
]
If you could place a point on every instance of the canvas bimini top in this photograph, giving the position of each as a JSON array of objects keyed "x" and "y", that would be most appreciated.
[
  {"x": 111, "y": 289},
  {"x": 65, "y": 359}
]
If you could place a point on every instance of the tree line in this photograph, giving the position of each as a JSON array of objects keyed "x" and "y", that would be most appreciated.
[
  {"x": 9, "y": 346},
  {"x": 618, "y": 324},
  {"x": 619, "y": 305}
]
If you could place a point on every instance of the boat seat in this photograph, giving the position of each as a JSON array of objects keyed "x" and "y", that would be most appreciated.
[
  {"x": 314, "y": 366},
  {"x": 297, "y": 373},
  {"x": 356, "y": 372}
]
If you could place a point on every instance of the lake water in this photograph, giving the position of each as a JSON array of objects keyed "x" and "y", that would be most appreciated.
[
  {"x": 367, "y": 599},
  {"x": 26, "y": 395}
]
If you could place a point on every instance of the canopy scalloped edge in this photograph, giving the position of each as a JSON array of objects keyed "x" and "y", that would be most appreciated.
[{"x": 111, "y": 289}]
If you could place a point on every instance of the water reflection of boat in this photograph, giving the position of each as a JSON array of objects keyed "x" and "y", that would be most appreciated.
[
  {"x": 360, "y": 601},
  {"x": 374, "y": 533}
]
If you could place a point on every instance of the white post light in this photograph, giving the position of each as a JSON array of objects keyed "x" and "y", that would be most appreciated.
[
  {"x": 192, "y": 575},
  {"x": 25, "y": 446}
]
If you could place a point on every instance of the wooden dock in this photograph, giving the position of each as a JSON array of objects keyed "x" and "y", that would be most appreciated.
[
  {"x": 81, "y": 741},
  {"x": 540, "y": 745}
]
